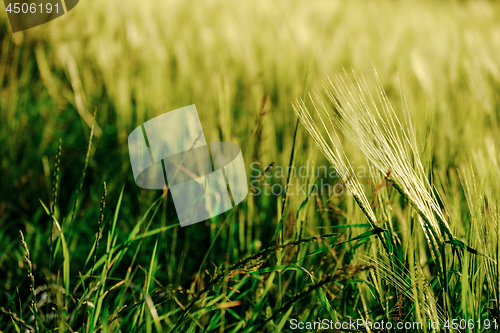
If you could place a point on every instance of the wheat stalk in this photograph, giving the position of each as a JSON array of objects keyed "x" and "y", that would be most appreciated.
[{"x": 347, "y": 107}]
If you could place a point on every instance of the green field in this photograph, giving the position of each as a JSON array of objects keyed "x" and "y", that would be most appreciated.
[{"x": 394, "y": 218}]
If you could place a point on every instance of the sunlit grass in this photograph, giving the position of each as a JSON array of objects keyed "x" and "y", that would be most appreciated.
[{"x": 414, "y": 238}]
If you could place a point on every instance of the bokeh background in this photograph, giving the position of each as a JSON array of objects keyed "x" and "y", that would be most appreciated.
[{"x": 114, "y": 258}]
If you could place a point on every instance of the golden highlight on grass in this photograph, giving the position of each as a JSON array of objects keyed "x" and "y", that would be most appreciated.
[
  {"x": 346, "y": 106},
  {"x": 374, "y": 128},
  {"x": 415, "y": 237}
]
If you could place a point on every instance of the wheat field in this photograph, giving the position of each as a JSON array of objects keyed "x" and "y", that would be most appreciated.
[{"x": 370, "y": 133}]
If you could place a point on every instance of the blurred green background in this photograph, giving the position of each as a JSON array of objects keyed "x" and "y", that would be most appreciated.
[{"x": 243, "y": 64}]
